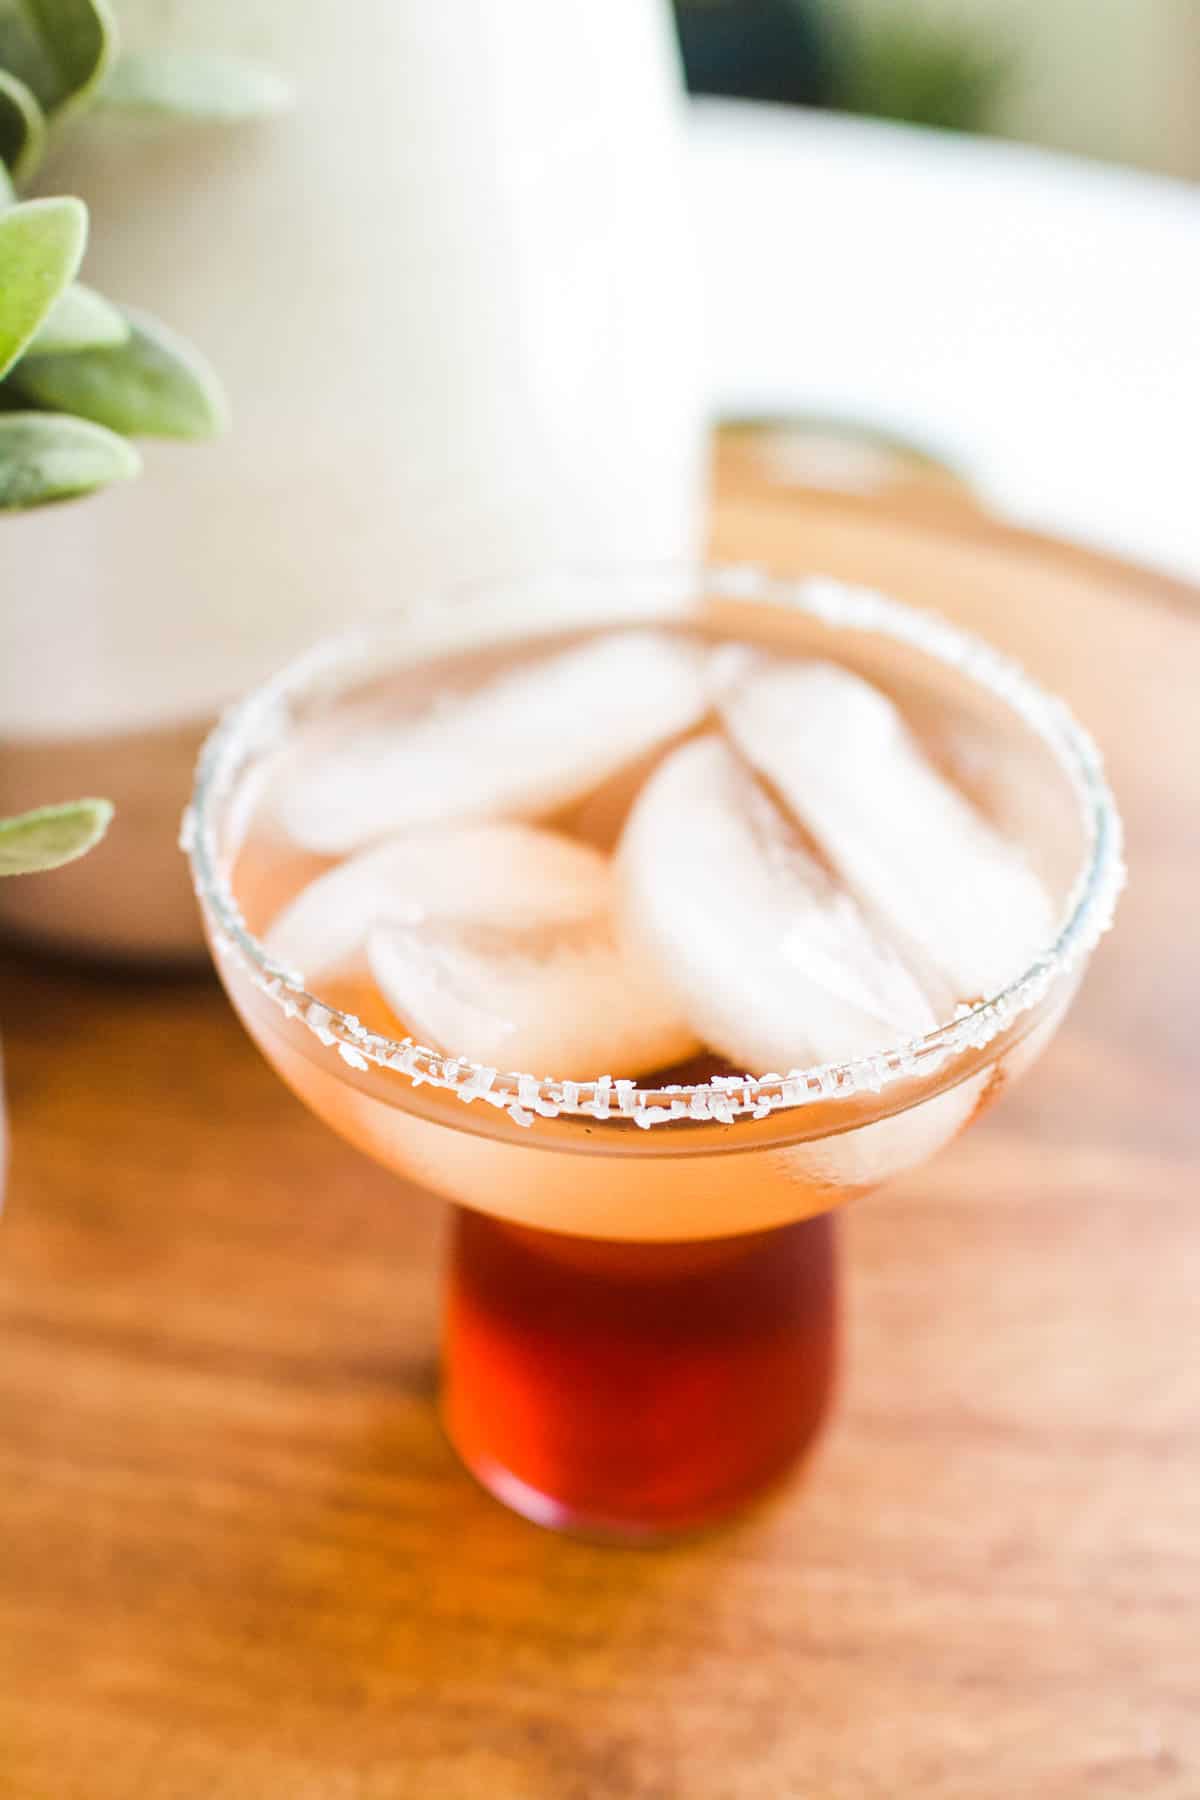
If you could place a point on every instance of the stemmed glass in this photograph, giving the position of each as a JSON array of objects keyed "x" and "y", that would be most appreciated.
[{"x": 641, "y": 1311}]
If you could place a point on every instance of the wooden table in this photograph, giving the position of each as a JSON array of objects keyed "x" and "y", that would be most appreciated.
[{"x": 237, "y": 1559}]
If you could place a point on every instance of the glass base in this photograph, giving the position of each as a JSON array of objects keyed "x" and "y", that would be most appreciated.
[{"x": 633, "y": 1392}]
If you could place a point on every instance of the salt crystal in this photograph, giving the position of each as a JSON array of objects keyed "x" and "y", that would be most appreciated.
[{"x": 494, "y": 943}]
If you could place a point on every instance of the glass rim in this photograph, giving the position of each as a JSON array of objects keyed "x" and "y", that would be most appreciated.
[{"x": 255, "y": 720}]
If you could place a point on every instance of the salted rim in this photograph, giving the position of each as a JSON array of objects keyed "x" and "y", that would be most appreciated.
[{"x": 261, "y": 718}]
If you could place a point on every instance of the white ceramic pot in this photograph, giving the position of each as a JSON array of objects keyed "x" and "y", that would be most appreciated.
[{"x": 450, "y": 296}]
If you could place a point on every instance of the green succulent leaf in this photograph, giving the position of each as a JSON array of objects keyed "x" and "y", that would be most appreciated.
[
  {"x": 80, "y": 319},
  {"x": 53, "y": 835},
  {"x": 41, "y": 246},
  {"x": 194, "y": 85},
  {"x": 7, "y": 191},
  {"x": 22, "y": 127},
  {"x": 60, "y": 49},
  {"x": 153, "y": 385},
  {"x": 46, "y": 457}
]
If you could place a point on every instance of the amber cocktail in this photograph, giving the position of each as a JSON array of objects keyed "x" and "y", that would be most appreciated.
[{"x": 649, "y": 917}]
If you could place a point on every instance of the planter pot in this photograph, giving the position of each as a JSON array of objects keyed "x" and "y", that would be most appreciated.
[{"x": 449, "y": 295}]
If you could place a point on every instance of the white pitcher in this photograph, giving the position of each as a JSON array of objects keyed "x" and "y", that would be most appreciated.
[{"x": 450, "y": 295}]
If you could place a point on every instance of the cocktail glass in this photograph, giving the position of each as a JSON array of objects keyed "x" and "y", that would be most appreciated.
[{"x": 641, "y": 1315}]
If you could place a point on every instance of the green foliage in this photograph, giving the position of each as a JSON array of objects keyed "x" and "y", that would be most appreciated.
[
  {"x": 80, "y": 319},
  {"x": 52, "y": 836},
  {"x": 925, "y": 70},
  {"x": 41, "y": 246},
  {"x": 49, "y": 456},
  {"x": 95, "y": 375},
  {"x": 185, "y": 84},
  {"x": 152, "y": 385},
  {"x": 22, "y": 128},
  {"x": 64, "y": 349},
  {"x": 60, "y": 49}
]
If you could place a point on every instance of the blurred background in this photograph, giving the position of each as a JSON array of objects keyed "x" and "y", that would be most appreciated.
[
  {"x": 1118, "y": 79},
  {"x": 940, "y": 255},
  {"x": 957, "y": 242}
]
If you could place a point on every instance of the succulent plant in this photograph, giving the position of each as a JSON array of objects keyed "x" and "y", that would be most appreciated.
[
  {"x": 50, "y": 836},
  {"x": 79, "y": 376}
]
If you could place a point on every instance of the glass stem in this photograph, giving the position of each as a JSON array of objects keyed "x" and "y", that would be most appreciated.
[{"x": 635, "y": 1390}]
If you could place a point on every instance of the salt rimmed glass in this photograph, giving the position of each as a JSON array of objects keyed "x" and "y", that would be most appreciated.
[{"x": 641, "y": 1317}]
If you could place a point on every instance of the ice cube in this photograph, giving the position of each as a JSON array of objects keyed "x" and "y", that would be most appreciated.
[
  {"x": 493, "y": 942},
  {"x": 526, "y": 742},
  {"x": 958, "y": 899},
  {"x": 771, "y": 961},
  {"x": 599, "y": 817},
  {"x": 865, "y": 1157},
  {"x": 472, "y": 872}
]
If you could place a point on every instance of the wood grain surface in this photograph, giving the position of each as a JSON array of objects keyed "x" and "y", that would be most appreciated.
[{"x": 237, "y": 1559}]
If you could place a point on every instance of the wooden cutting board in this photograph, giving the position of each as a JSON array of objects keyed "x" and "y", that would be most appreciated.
[{"x": 238, "y": 1561}]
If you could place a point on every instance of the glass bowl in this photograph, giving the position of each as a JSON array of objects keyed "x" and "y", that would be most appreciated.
[{"x": 641, "y": 1316}]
